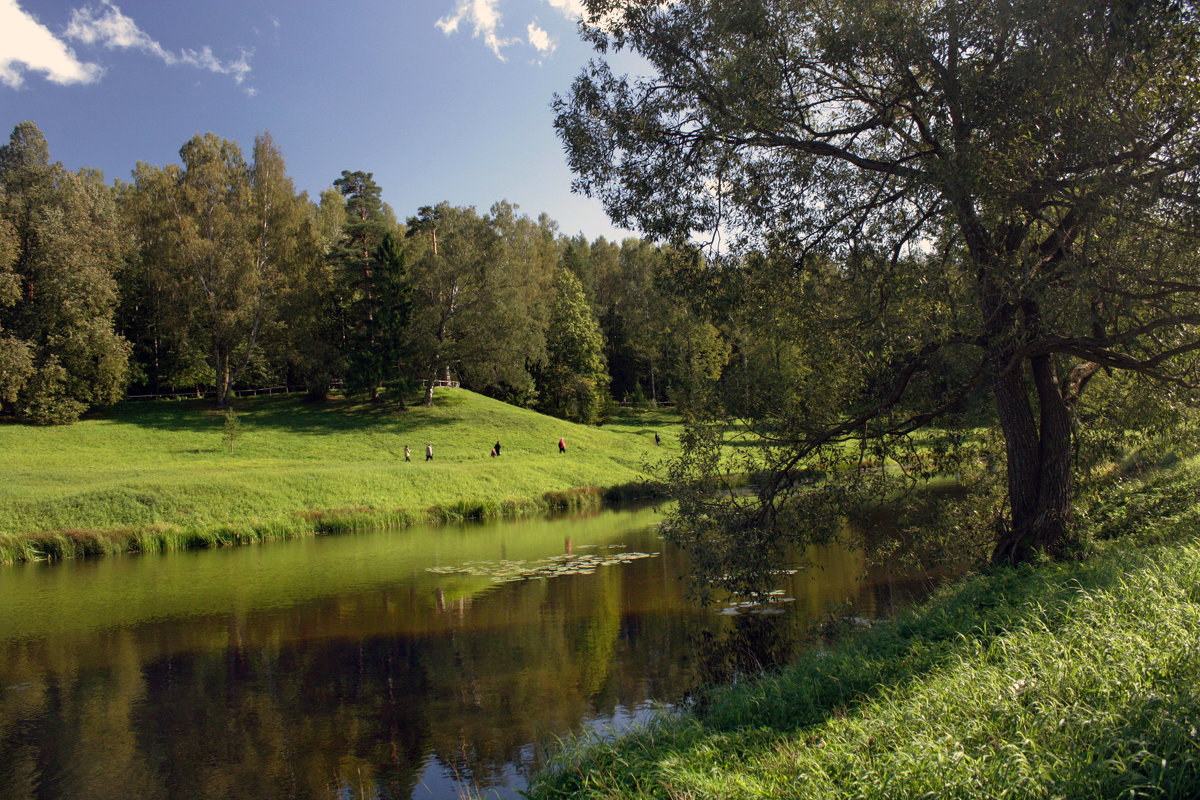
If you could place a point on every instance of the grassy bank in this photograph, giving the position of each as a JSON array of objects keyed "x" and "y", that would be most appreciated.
[
  {"x": 159, "y": 475},
  {"x": 1062, "y": 680}
]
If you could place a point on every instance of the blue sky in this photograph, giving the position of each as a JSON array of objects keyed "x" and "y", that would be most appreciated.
[{"x": 440, "y": 99}]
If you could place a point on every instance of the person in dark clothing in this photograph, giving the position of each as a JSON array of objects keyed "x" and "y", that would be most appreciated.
[
  {"x": 497, "y": 448},
  {"x": 657, "y": 440}
]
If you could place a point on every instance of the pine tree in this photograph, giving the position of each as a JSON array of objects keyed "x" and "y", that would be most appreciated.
[
  {"x": 354, "y": 261},
  {"x": 378, "y": 346}
]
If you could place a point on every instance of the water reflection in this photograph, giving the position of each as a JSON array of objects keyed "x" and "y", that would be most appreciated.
[{"x": 393, "y": 664}]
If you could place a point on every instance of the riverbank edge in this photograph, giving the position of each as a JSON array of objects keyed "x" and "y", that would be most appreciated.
[
  {"x": 1062, "y": 679},
  {"x": 69, "y": 543}
]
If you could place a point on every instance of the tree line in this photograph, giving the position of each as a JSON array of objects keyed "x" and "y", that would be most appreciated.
[{"x": 214, "y": 273}]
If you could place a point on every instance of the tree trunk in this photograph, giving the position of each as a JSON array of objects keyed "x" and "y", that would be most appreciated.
[
  {"x": 222, "y": 359},
  {"x": 441, "y": 339},
  {"x": 653, "y": 389},
  {"x": 433, "y": 373},
  {"x": 1039, "y": 462}
]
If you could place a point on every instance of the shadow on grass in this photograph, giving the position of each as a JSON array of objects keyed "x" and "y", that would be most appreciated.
[{"x": 288, "y": 413}]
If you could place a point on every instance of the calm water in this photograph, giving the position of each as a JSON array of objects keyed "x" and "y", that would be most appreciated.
[{"x": 427, "y": 662}]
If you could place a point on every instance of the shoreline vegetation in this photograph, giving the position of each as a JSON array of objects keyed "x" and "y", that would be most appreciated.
[
  {"x": 1054, "y": 679},
  {"x": 159, "y": 475}
]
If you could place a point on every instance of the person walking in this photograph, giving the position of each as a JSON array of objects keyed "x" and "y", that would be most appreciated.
[
  {"x": 497, "y": 447},
  {"x": 562, "y": 445},
  {"x": 429, "y": 452},
  {"x": 407, "y": 453},
  {"x": 657, "y": 441}
]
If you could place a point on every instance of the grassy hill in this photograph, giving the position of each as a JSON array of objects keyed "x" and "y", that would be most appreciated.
[{"x": 149, "y": 476}]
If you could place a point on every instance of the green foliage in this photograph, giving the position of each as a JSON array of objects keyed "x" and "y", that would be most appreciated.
[
  {"x": 576, "y": 256},
  {"x": 222, "y": 245},
  {"x": 313, "y": 315},
  {"x": 480, "y": 285},
  {"x": 524, "y": 270},
  {"x": 1128, "y": 416},
  {"x": 1148, "y": 504},
  {"x": 632, "y": 315},
  {"x": 61, "y": 244},
  {"x": 378, "y": 342},
  {"x": 358, "y": 274},
  {"x": 575, "y": 380},
  {"x": 231, "y": 429}
]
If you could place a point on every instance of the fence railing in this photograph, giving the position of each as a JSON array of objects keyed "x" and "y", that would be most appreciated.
[
  {"x": 197, "y": 394},
  {"x": 647, "y": 404}
]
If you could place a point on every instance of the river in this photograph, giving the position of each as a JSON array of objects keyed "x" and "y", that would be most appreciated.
[{"x": 428, "y": 662}]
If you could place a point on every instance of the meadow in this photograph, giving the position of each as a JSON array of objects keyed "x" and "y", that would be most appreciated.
[{"x": 155, "y": 475}]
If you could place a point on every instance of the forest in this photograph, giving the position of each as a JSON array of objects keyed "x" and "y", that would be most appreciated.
[{"x": 215, "y": 274}]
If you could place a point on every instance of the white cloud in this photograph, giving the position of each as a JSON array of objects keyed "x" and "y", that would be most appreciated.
[
  {"x": 571, "y": 9},
  {"x": 485, "y": 16},
  {"x": 106, "y": 25},
  {"x": 541, "y": 40},
  {"x": 26, "y": 44}
]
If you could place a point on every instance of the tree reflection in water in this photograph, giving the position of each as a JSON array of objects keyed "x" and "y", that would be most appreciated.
[{"x": 355, "y": 666}]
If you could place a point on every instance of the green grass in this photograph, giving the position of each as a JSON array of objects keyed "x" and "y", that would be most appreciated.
[
  {"x": 158, "y": 475},
  {"x": 1073, "y": 679}
]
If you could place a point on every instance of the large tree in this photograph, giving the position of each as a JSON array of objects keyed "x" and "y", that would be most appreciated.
[
  {"x": 1023, "y": 175},
  {"x": 633, "y": 315},
  {"x": 223, "y": 241},
  {"x": 356, "y": 265},
  {"x": 61, "y": 243},
  {"x": 378, "y": 352},
  {"x": 313, "y": 313},
  {"x": 574, "y": 382},
  {"x": 477, "y": 282}
]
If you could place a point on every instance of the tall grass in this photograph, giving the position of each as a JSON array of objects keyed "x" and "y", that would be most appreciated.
[
  {"x": 1062, "y": 680},
  {"x": 156, "y": 476}
]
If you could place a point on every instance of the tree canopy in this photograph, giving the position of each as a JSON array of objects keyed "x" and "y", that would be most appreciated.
[
  {"x": 220, "y": 236},
  {"x": 61, "y": 244},
  {"x": 1007, "y": 186},
  {"x": 575, "y": 375}
]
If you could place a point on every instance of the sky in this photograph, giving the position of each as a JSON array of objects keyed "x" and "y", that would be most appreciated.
[{"x": 440, "y": 99}]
